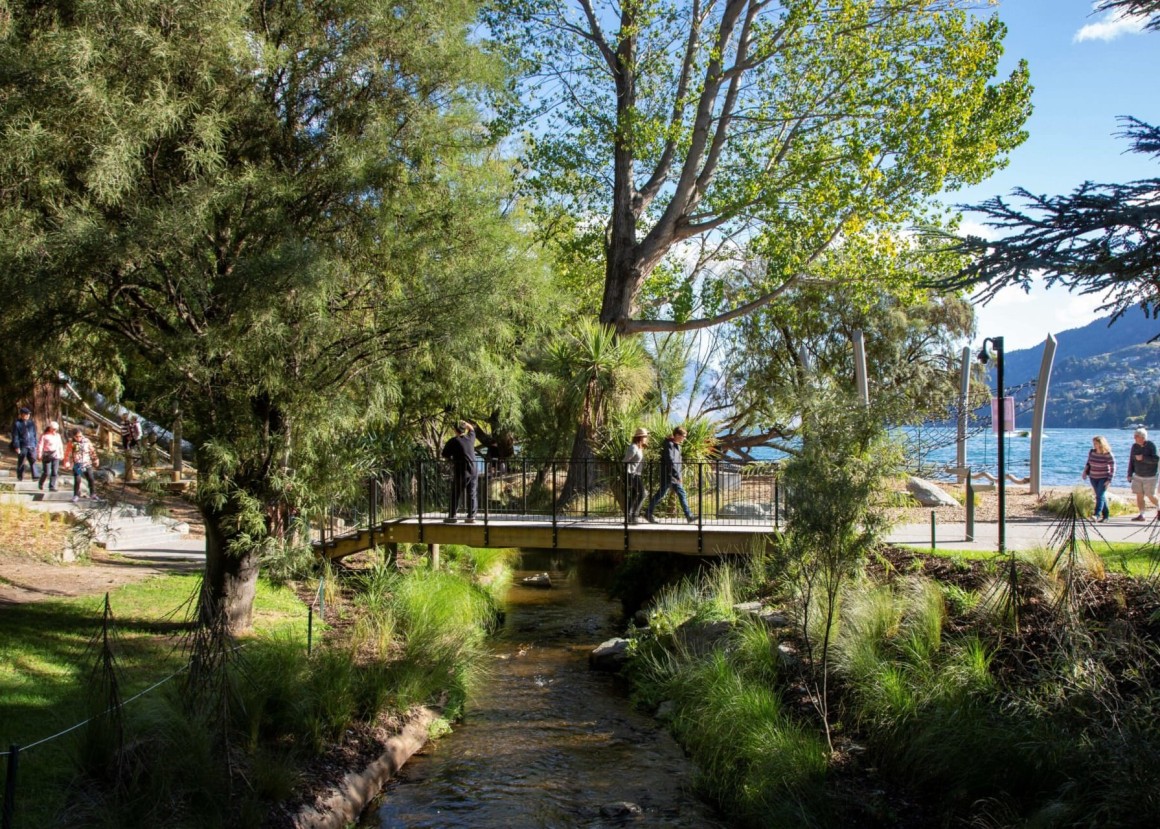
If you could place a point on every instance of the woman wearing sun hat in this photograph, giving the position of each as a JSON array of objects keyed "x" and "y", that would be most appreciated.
[{"x": 633, "y": 467}]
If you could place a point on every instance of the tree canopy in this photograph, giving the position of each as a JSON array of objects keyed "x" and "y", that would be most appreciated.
[
  {"x": 1099, "y": 239},
  {"x": 273, "y": 205},
  {"x": 712, "y": 150}
]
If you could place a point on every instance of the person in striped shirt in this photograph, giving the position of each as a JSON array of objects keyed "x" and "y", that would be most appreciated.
[{"x": 1098, "y": 471}]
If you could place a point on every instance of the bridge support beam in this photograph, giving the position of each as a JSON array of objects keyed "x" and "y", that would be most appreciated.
[
  {"x": 392, "y": 549},
  {"x": 433, "y": 556}
]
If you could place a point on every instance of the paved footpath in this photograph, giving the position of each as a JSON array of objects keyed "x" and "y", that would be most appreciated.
[{"x": 1022, "y": 533}]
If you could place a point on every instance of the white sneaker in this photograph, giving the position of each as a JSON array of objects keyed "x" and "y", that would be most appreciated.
[{"x": 76, "y": 498}]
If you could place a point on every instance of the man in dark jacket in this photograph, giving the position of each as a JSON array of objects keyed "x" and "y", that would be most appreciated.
[
  {"x": 24, "y": 442},
  {"x": 1142, "y": 464},
  {"x": 460, "y": 450},
  {"x": 670, "y": 477}
]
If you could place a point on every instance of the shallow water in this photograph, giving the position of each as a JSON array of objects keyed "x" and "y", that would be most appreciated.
[{"x": 547, "y": 742}]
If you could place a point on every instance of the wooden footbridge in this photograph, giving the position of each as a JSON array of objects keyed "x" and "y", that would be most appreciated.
[{"x": 735, "y": 510}]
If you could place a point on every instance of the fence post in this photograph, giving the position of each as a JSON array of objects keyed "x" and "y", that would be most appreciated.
[
  {"x": 524, "y": 483},
  {"x": 970, "y": 508},
  {"x": 932, "y": 539},
  {"x": 10, "y": 787},
  {"x": 553, "y": 468},
  {"x": 486, "y": 499},
  {"x": 309, "y": 629}
]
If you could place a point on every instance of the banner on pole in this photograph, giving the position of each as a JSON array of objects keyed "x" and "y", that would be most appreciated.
[{"x": 1008, "y": 414}]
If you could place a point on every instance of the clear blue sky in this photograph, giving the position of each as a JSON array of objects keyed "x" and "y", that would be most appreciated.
[{"x": 1084, "y": 78}]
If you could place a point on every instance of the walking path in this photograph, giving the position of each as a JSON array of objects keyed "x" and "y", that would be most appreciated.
[
  {"x": 1021, "y": 533},
  {"x": 136, "y": 536},
  {"x": 124, "y": 530}
]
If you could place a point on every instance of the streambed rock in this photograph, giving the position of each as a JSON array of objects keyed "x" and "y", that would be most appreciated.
[
  {"x": 540, "y": 580},
  {"x": 620, "y": 811},
  {"x": 611, "y": 655}
]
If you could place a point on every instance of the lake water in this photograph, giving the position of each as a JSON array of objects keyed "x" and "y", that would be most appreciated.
[{"x": 1064, "y": 453}]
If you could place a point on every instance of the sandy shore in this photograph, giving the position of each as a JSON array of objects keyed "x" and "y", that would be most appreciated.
[{"x": 1020, "y": 504}]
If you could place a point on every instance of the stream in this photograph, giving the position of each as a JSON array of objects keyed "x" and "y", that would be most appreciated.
[{"x": 546, "y": 742}]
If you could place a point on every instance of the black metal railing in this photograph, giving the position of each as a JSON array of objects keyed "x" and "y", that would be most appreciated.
[{"x": 719, "y": 493}]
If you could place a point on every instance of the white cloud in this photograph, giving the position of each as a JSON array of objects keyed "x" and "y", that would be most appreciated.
[
  {"x": 1111, "y": 26},
  {"x": 1025, "y": 319},
  {"x": 969, "y": 227}
]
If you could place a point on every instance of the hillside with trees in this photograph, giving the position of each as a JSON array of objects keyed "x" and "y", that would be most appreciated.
[{"x": 1106, "y": 374}]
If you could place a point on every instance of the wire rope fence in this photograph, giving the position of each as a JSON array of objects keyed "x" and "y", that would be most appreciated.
[{"x": 10, "y": 757}]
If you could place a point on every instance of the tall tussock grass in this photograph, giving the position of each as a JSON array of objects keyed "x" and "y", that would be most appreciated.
[
  {"x": 759, "y": 764},
  {"x": 419, "y": 639}
]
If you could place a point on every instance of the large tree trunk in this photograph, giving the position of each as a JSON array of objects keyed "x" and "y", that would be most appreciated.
[
  {"x": 230, "y": 581},
  {"x": 582, "y": 454}
]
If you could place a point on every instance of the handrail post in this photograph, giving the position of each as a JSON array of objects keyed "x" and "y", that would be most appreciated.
[
  {"x": 486, "y": 498},
  {"x": 554, "y": 530},
  {"x": 524, "y": 484},
  {"x": 776, "y": 506},
  {"x": 700, "y": 506},
  {"x": 422, "y": 474},
  {"x": 717, "y": 489},
  {"x": 586, "y": 461},
  {"x": 627, "y": 496},
  {"x": 371, "y": 510}
]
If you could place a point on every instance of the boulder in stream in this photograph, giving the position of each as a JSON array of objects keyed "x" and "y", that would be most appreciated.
[
  {"x": 620, "y": 811},
  {"x": 541, "y": 580},
  {"x": 611, "y": 655}
]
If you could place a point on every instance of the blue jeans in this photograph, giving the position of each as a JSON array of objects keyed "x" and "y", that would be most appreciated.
[
  {"x": 48, "y": 469},
  {"x": 79, "y": 472},
  {"x": 1100, "y": 487},
  {"x": 663, "y": 491}
]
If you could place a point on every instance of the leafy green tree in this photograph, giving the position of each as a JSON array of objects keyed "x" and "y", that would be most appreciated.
[
  {"x": 764, "y": 131},
  {"x": 598, "y": 376},
  {"x": 713, "y": 151},
  {"x": 803, "y": 339},
  {"x": 834, "y": 498},
  {"x": 271, "y": 204}
]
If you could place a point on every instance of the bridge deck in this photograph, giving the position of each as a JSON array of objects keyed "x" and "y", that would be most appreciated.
[{"x": 569, "y": 534}]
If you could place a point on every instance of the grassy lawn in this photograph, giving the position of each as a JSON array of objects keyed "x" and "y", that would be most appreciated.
[
  {"x": 1119, "y": 556},
  {"x": 47, "y": 651}
]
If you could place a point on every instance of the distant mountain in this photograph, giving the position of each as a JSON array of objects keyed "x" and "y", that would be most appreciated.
[{"x": 1103, "y": 377}]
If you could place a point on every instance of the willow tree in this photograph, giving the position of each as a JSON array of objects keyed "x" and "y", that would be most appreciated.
[
  {"x": 751, "y": 130},
  {"x": 267, "y": 202}
]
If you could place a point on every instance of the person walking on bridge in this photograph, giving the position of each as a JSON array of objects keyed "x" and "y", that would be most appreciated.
[
  {"x": 670, "y": 477},
  {"x": 633, "y": 467},
  {"x": 1142, "y": 464},
  {"x": 24, "y": 443},
  {"x": 460, "y": 450}
]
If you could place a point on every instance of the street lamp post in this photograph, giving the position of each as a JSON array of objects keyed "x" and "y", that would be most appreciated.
[{"x": 1001, "y": 416}]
